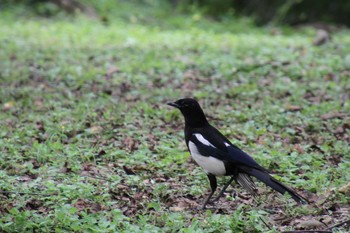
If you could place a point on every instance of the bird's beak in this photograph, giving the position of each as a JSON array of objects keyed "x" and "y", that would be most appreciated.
[{"x": 175, "y": 105}]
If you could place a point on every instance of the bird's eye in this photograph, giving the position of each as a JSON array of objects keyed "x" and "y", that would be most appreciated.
[{"x": 183, "y": 104}]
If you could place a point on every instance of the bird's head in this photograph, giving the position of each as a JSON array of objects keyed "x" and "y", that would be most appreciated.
[
  {"x": 185, "y": 104},
  {"x": 191, "y": 110}
]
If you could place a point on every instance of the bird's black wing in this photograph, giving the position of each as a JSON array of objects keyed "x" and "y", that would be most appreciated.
[{"x": 210, "y": 142}]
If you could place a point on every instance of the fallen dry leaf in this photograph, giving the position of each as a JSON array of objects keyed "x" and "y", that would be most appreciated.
[
  {"x": 129, "y": 143},
  {"x": 298, "y": 148},
  {"x": 66, "y": 168},
  {"x": 310, "y": 224},
  {"x": 83, "y": 205},
  {"x": 343, "y": 128},
  {"x": 345, "y": 189},
  {"x": 39, "y": 102},
  {"x": 112, "y": 70},
  {"x": 176, "y": 208},
  {"x": 33, "y": 204},
  {"x": 332, "y": 115},
  {"x": 25, "y": 178},
  {"x": 94, "y": 129},
  {"x": 40, "y": 126},
  {"x": 8, "y": 105},
  {"x": 293, "y": 108},
  {"x": 128, "y": 170}
]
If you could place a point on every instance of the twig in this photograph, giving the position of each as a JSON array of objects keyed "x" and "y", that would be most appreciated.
[
  {"x": 339, "y": 224},
  {"x": 265, "y": 223},
  {"x": 255, "y": 198}
]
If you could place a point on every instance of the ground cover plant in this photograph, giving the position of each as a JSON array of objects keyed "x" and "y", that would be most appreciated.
[{"x": 88, "y": 143}]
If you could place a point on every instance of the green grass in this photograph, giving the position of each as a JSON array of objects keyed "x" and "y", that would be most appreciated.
[{"x": 84, "y": 103}]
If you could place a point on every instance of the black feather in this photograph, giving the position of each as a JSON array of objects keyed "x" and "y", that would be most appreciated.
[{"x": 275, "y": 184}]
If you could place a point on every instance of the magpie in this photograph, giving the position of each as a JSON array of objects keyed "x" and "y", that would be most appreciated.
[{"x": 212, "y": 151}]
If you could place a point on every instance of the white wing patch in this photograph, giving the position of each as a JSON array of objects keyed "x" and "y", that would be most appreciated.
[
  {"x": 226, "y": 144},
  {"x": 208, "y": 163},
  {"x": 203, "y": 140}
]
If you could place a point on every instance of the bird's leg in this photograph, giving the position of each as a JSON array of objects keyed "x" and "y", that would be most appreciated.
[
  {"x": 224, "y": 189},
  {"x": 213, "y": 186}
]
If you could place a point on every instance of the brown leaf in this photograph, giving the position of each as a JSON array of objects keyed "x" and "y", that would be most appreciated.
[
  {"x": 66, "y": 168},
  {"x": 330, "y": 77},
  {"x": 129, "y": 143},
  {"x": 33, "y": 204},
  {"x": 13, "y": 57},
  {"x": 152, "y": 142},
  {"x": 88, "y": 167},
  {"x": 310, "y": 224},
  {"x": 160, "y": 179},
  {"x": 343, "y": 128},
  {"x": 183, "y": 204},
  {"x": 140, "y": 196},
  {"x": 25, "y": 178},
  {"x": 261, "y": 140},
  {"x": 40, "y": 126},
  {"x": 39, "y": 102},
  {"x": 82, "y": 204},
  {"x": 94, "y": 129},
  {"x": 35, "y": 163},
  {"x": 128, "y": 171},
  {"x": 341, "y": 132},
  {"x": 334, "y": 159},
  {"x": 8, "y": 105},
  {"x": 298, "y": 148},
  {"x": 299, "y": 129},
  {"x": 112, "y": 70},
  {"x": 332, "y": 115},
  {"x": 315, "y": 148},
  {"x": 176, "y": 208},
  {"x": 345, "y": 189},
  {"x": 294, "y": 108}
]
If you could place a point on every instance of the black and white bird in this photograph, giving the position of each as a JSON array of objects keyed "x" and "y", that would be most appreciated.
[{"x": 219, "y": 157}]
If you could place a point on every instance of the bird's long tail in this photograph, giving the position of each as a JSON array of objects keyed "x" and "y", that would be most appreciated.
[{"x": 264, "y": 177}]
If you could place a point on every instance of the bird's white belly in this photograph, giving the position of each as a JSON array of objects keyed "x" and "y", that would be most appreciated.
[{"x": 209, "y": 164}]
